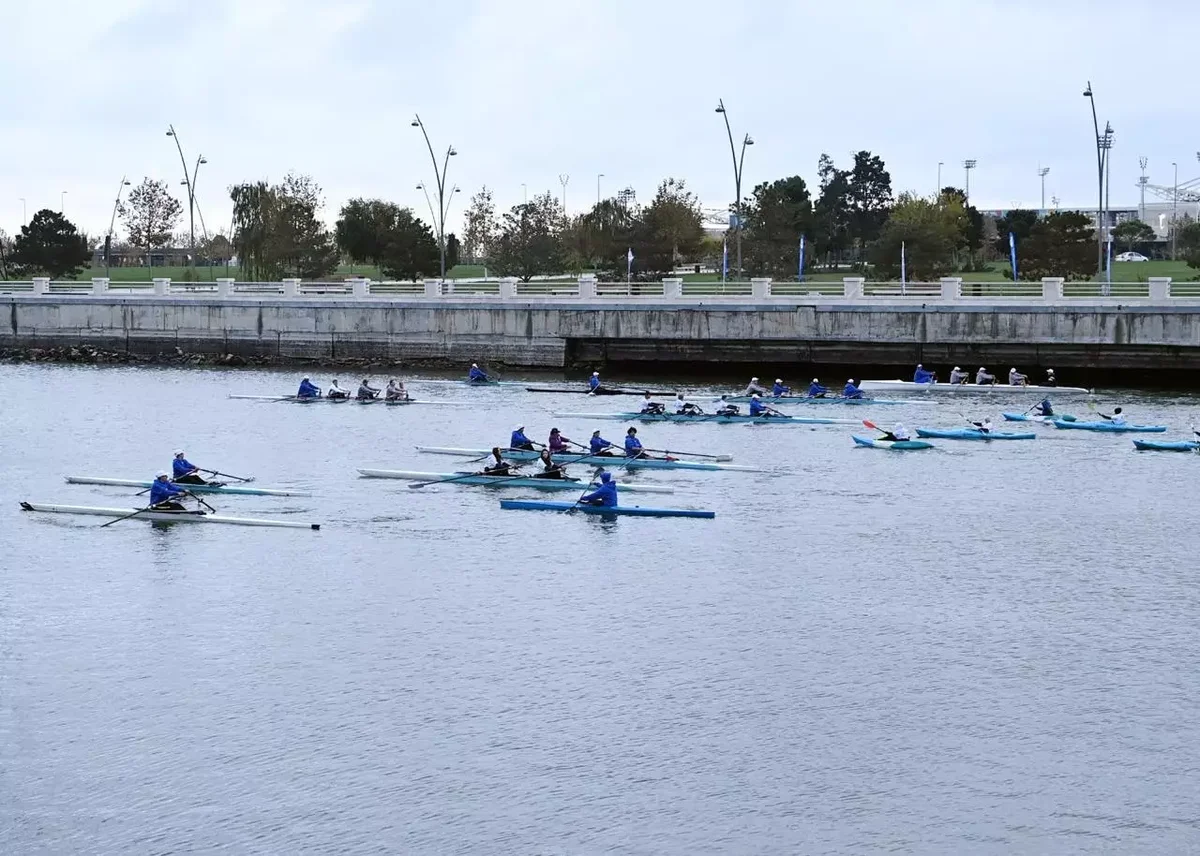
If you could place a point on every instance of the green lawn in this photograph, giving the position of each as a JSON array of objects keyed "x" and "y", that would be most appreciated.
[{"x": 208, "y": 274}]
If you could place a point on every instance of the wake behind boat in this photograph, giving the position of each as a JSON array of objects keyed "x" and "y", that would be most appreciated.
[
  {"x": 164, "y": 516},
  {"x": 237, "y": 490}
]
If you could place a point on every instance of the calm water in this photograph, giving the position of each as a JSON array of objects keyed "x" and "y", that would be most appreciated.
[{"x": 973, "y": 650}]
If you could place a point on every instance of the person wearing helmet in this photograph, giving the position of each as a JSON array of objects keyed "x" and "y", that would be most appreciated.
[
  {"x": 959, "y": 376},
  {"x": 898, "y": 434},
  {"x": 594, "y": 381},
  {"x": 547, "y": 469},
  {"x": 633, "y": 446},
  {"x": 753, "y": 388},
  {"x": 982, "y": 377},
  {"x": 1117, "y": 418},
  {"x": 518, "y": 441},
  {"x": 308, "y": 389},
  {"x": 1051, "y": 380},
  {"x": 1015, "y": 378},
  {"x": 601, "y": 447},
  {"x": 336, "y": 392},
  {"x": 779, "y": 390},
  {"x": 164, "y": 496},
  {"x": 683, "y": 407},
  {"x": 477, "y": 375},
  {"x": 558, "y": 443},
  {"x": 184, "y": 472},
  {"x": 604, "y": 495},
  {"x": 650, "y": 407},
  {"x": 497, "y": 466},
  {"x": 923, "y": 376},
  {"x": 851, "y": 391},
  {"x": 815, "y": 390}
]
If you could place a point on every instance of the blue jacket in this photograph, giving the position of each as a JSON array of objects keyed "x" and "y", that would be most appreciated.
[
  {"x": 851, "y": 391},
  {"x": 633, "y": 446},
  {"x": 605, "y": 495},
  {"x": 1044, "y": 408},
  {"x": 593, "y": 382},
  {"x": 922, "y": 376},
  {"x": 518, "y": 440},
  {"x": 477, "y": 374},
  {"x": 308, "y": 389},
  {"x": 161, "y": 491},
  {"x": 181, "y": 466},
  {"x": 599, "y": 444},
  {"x": 815, "y": 389},
  {"x": 757, "y": 407},
  {"x": 779, "y": 389}
]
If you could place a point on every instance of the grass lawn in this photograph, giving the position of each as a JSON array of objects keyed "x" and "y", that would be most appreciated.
[{"x": 208, "y": 274}]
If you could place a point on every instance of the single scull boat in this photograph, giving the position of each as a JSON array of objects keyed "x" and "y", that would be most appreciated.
[
  {"x": 628, "y": 510},
  {"x": 237, "y": 490},
  {"x": 164, "y": 516}
]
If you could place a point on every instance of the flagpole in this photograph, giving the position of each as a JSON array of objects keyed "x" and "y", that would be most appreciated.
[
  {"x": 800, "y": 266},
  {"x": 903, "y": 272}
]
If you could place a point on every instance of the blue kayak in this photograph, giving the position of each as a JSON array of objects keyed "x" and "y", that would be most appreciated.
[
  {"x": 1169, "y": 446},
  {"x": 1111, "y": 428},
  {"x": 972, "y": 434},
  {"x": 895, "y": 445},
  {"x": 1030, "y": 417},
  {"x": 630, "y": 510}
]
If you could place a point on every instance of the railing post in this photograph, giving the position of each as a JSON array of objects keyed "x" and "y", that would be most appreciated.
[
  {"x": 360, "y": 286},
  {"x": 673, "y": 288},
  {"x": 162, "y": 286},
  {"x": 1160, "y": 287},
  {"x": 508, "y": 287},
  {"x": 951, "y": 287},
  {"x": 760, "y": 286},
  {"x": 587, "y": 285},
  {"x": 433, "y": 288},
  {"x": 41, "y": 285},
  {"x": 99, "y": 284},
  {"x": 224, "y": 287},
  {"x": 1052, "y": 288},
  {"x": 291, "y": 288},
  {"x": 853, "y": 286}
]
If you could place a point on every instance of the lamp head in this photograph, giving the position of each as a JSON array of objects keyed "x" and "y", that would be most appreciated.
[
  {"x": 749, "y": 141},
  {"x": 720, "y": 107},
  {"x": 421, "y": 186},
  {"x": 171, "y": 132},
  {"x": 416, "y": 123},
  {"x": 1087, "y": 93},
  {"x": 453, "y": 151},
  {"x": 203, "y": 159}
]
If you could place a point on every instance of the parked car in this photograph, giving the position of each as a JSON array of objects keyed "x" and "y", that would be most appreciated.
[{"x": 1131, "y": 257}]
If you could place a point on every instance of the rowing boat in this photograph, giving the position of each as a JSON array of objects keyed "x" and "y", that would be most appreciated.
[
  {"x": 600, "y": 390},
  {"x": 894, "y": 445},
  {"x": 1042, "y": 420},
  {"x": 592, "y": 460},
  {"x": 397, "y": 402},
  {"x": 461, "y": 382},
  {"x": 1110, "y": 427},
  {"x": 234, "y": 489},
  {"x": 778, "y": 401},
  {"x": 506, "y": 481},
  {"x": 165, "y": 516},
  {"x": 628, "y": 510},
  {"x": 972, "y": 434},
  {"x": 1166, "y": 446},
  {"x": 967, "y": 388},
  {"x": 709, "y": 417}
]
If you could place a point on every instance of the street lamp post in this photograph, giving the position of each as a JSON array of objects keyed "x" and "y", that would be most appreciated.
[
  {"x": 1043, "y": 171},
  {"x": 563, "y": 179},
  {"x": 190, "y": 182},
  {"x": 601, "y": 175},
  {"x": 62, "y": 201},
  {"x": 968, "y": 165},
  {"x": 1175, "y": 212},
  {"x": 443, "y": 202},
  {"x": 737, "y": 178},
  {"x": 111, "y": 223},
  {"x": 938, "y": 195},
  {"x": 1142, "y": 182},
  {"x": 1100, "y": 155}
]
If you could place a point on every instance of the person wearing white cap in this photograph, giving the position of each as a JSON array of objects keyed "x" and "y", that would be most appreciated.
[
  {"x": 1051, "y": 380},
  {"x": 897, "y": 434},
  {"x": 164, "y": 496},
  {"x": 851, "y": 392},
  {"x": 594, "y": 381},
  {"x": 477, "y": 375},
  {"x": 815, "y": 390},
  {"x": 184, "y": 472},
  {"x": 921, "y": 375},
  {"x": 779, "y": 390},
  {"x": 959, "y": 376},
  {"x": 518, "y": 440},
  {"x": 982, "y": 377},
  {"x": 308, "y": 389},
  {"x": 753, "y": 388},
  {"x": 1015, "y": 378}
]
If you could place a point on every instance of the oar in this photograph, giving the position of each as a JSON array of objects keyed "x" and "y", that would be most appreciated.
[
  {"x": 126, "y": 517},
  {"x": 199, "y": 500},
  {"x": 226, "y": 475},
  {"x": 693, "y": 454},
  {"x": 591, "y": 481},
  {"x": 499, "y": 479}
]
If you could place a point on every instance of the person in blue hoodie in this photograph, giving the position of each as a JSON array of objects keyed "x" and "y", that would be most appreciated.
[
  {"x": 518, "y": 440},
  {"x": 633, "y": 446},
  {"x": 851, "y": 391},
  {"x": 477, "y": 375},
  {"x": 164, "y": 496},
  {"x": 1044, "y": 408},
  {"x": 184, "y": 471},
  {"x": 779, "y": 390},
  {"x": 923, "y": 376},
  {"x": 308, "y": 389},
  {"x": 594, "y": 381},
  {"x": 600, "y": 446},
  {"x": 605, "y": 495},
  {"x": 815, "y": 390},
  {"x": 757, "y": 408}
]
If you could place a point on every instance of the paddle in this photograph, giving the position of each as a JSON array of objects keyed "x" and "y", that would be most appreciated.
[
  {"x": 126, "y": 517},
  {"x": 226, "y": 475},
  {"x": 592, "y": 480},
  {"x": 693, "y": 454}
]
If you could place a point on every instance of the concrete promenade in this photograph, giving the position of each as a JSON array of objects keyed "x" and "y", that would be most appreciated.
[{"x": 1154, "y": 325}]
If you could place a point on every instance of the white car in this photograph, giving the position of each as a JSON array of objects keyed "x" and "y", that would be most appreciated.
[{"x": 1131, "y": 257}]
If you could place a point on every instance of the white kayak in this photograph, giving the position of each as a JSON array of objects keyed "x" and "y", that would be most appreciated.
[
  {"x": 507, "y": 481},
  {"x": 896, "y": 386},
  {"x": 164, "y": 516}
]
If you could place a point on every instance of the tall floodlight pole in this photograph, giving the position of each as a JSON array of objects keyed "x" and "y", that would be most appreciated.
[
  {"x": 563, "y": 178},
  {"x": 598, "y": 177},
  {"x": 1087, "y": 93},
  {"x": 1175, "y": 211},
  {"x": 968, "y": 165},
  {"x": 23, "y": 216},
  {"x": 938, "y": 195},
  {"x": 1108, "y": 144},
  {"x": 1043, "y": 171},
  {"x": 189, "y": 181},
  {"x": 1142, "y": 182},
  {"x": 737, "y": 178},
  {"x": 62, "y": 201},
  {"x": 112, "y": 221},
  {"x": 443, "y": 202}
]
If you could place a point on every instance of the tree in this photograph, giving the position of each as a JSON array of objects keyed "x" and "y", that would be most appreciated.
[
  {"x": 929, "y": 230},
  {"x": 453, "y": 251},
  {"x": 277, "y": 232},
  {"x": 364, "y": 229},
  {"x": 149, "y": 213},
  {"x": 869, "y": 194},
  {"x": 528, "y": 243},
  {"x": 1063, "y": 244},
  {"x": 49, "y": 244},
  {"x": 672, "y": 228},
  {"x": 777, "y": 215},
  {"x": 831, "y": 215},
  {"x": 1188, "y": 243},
  {"x": 1130, "y": 233},
  {"x": 479, "y": 226},
  {"x": 1019, "y": 221},
  {"x": 5, "y": 253},
  {"x": 410, "y": 251}
]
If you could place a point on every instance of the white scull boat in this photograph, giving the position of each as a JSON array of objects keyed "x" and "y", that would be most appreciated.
[
  {"x": 352, "y": 400},
  {"x": 164, "y": 516},
  {"x": 234, "y": 489},
  {"x": 895, "y": 386},
  {"x": 470, "y": 478}
]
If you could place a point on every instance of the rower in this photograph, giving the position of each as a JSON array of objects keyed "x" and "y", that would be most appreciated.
[
  {"x": 1044, "y": 408},
  {"x": 923, "y": 376},
  {"x": 779, "y": 389},
  {"x": 985, "y": 426},
  {"x": 164, "y": 496},
  {"x": 519, "y": 441},
  {"x": 684, "y": 407},
  {"x": 558, "y": 443},
  {"x": 605, "y": 495},
  {"x": 184, "y": 472},
  {"x": 395, "y": 391},
  {"x": 366, "y": 392},
  {"x": 651, "y": 407},
  {"x": 497, "y": 466},
  {"x": 724, "y": 408},
  {"x": 600, "y": 446},
  {"x": 549, "y": 469},
  {"x": 1117, "y": 418},
  {"x": 1015, "y": 378},
  {"x": 336, "y": 391},
  {"x": 308, "y": 389},
  {"x": 898, "y": 434},
  {"x": 959, "y": 376},
  {"x": 757, "y": 408},
  {"x": 753, "y": 388},
  {"x": 633, "y": 446},
  {"x": 982, "y": 377},
  {"x": 1051, "y": 380},
  {"x": 815, "y": 390},
  {"x": 594, "y": 381},
  {"x": 477, "y": 375},
  {"x": 851, "y": 390}
]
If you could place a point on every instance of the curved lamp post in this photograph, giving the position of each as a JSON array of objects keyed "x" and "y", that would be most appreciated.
[
  {"x": 112, "y": 221},
  {"x": 737, "y": 177},
  {"x": 442, "y": 191},
  {"x": 1101, "y": 155},
  {"x": 189, "y": 181}
]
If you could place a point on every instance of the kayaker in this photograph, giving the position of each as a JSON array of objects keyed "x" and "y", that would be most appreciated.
[
  {"x": 548, "y": 469},
  {"x": 959, "y": 376},
  {"x": 1051, "y": 380},
  {"x": 1117, "y": 418},
  {"x": 605, "y": 495},
  {"x": 757, "y": 408},
  {"x": 184, "y": 472},
  {"x": 652, "y": 407},
  {"x": 898, "y": 434},
  {"x": 308, "y": 389},
  {"x": 497, "y": 466},
  {"x": 851, "y": 390},
  {"x": 1044, "y": 408},
  {"x": 519, "y": 441},
  {"x": 477, "y": 375},
  {"x": 982, "y": 377},
  {"x": 395, "y": 391},
  {"x": 724, "y": 408},
  {"x": 815, "y": 390},
  {"x": 684, "y": 407},
  {"x": 923, "y": 376},
  {"x": 985, "y": 426},
  {"x": 366, "y": 392},
  {"x": 594, "y": 381},
  {"x": 1015, "y": 378},
  {"x": 779, "y": 390},
  {"x": 336, "y": 391},
  {"x": 633, "y": 446},
  {"x": 558, "y": 443},
  {"x": 164, "y": 496},
  {"x": 600, "y": 446},
  {"x": 753, "y": 388}
]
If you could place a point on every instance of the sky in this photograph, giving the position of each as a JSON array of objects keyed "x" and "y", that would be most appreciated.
[{"x": 531, "y": 90}]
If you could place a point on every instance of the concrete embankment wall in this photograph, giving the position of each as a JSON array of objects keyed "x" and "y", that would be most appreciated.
[{"x": 562, "y": 333}]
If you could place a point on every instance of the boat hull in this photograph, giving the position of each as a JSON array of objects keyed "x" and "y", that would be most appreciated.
[
  {"x": 967, "y": 388},
  {"x": 626, "y": 510},
  {"x": 291, "y": 399},
  {"x": 709, "y": 418},
  {"x": 968, "y": 434},
  {"x": 593, "y": 460},
  {"x": 787, "y": 400},
  {"x": 1166, "y": 446},
  {"x": 164, "y": 516},
  {"x": 1041, "y": 420},
  {"x": 233, "y": 490},
  {"x": 893, "y": 445},
  {"x": 576, "y": 485},
  {"x": 603, "y": 390},
  {"x": 1109, "y": 428}
]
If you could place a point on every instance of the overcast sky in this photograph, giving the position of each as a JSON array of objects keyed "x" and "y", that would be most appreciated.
[{"x": 527, "y": 90}]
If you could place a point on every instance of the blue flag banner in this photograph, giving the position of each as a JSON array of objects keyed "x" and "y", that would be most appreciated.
[
  {"x": 1012, "y": 253},
  {"x": 903, "y": 272},
  {"x": 800, "y": 268}
]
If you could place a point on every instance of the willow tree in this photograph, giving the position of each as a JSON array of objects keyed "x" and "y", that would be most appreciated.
[{"x": 277, "y": 232}]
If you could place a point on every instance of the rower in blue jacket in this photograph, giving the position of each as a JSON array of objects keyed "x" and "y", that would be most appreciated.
[
  {"x": 518, "y": 440},
  {"x": 184, "y": 471},
  {"x": 600, "y": 446},
  {"x": 779, "y": 389},
  {"x": 851, "y": 391},
  {"x": 923, "y": 376},
  {"x": 633, "y": 446},
  {"x": 308, "y": 389},
  {"x": 815, "y": 390},
  {"x": 164, "y": 496},
  {"x": 605, "y": 495},
  {"x": 1044, "y": 408},
  {"x": 757, "y": 408},
  {"x": 594, "y": 381},
  {"x": 477, "y": 375}
]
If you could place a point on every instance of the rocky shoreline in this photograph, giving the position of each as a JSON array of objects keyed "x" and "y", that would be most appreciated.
[{"x": 88, "y": 355}]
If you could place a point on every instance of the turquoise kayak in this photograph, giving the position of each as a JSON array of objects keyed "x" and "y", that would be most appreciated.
[
  {"x": 972, "y": 434},
  {"x": 629, "y": 510},
  {"x": 1168, "y": 446},
  {"x": 1029, "y": 417},
  {"x": 895, "y": 445},
  {"x": 1111, "y": 428}
]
